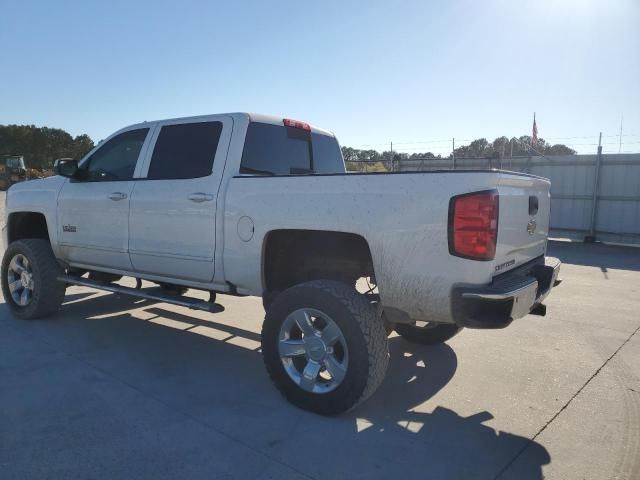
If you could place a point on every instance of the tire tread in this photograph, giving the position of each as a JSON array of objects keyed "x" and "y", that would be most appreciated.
[
  {"x": 49, "y": 297},
  {"x": 369, "y": 322}
]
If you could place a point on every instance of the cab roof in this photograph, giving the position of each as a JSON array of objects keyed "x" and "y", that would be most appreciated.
[{"x": 251, "y": 117}]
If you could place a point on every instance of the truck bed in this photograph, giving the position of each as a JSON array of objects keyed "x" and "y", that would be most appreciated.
[{"x": 404, "y": 218}]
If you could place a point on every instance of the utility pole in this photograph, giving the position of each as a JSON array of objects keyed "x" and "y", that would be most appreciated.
[
  {"x": 392, "y": 156},
  {"x": 453, "y": 152},
  {"x": 620, "y": 147},
  {"x": 594, "y": 199},
  {"x": 511, "y": 154}
]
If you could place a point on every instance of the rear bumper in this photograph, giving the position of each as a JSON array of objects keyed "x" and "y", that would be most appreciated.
[{"x": 510, "y": 296}]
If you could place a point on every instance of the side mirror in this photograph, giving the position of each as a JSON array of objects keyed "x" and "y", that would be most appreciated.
[{"x": 66, "y": 167}]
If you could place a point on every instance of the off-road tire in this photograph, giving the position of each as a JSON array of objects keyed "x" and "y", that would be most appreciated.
[
  {"x": 427, "y": 336},
  {"x": 104, "y": 277},
  {"x": 267, "y": 299},
  {"x": 172, "y": 289},
  {"x": 363, "y": 330},
  {"x": 389, "y": 327},
  {"x": 48, "y": 292}
]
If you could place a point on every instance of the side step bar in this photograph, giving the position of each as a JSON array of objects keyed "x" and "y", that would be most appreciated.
[{"x": 192, "y": 303}]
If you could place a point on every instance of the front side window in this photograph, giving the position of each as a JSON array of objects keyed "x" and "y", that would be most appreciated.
[
  {"x": 116, "y": 159},
  {"x": 185, "y": 151}
]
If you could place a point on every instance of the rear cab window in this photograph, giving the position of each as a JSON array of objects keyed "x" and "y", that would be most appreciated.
[{"x": 284, "y": 150}]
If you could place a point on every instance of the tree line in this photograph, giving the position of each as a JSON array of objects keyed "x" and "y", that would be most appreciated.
[
  {"x": 40, "y": 146},
  {"x": 501, "y": 147}
]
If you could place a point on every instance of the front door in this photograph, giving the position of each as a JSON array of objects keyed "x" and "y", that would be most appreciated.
[
  {"x": 173, "y": 210},
  {"x": 93, "y": 210}
]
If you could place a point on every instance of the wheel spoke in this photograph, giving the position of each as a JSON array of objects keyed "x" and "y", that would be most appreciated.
[
  {"x": 24, "y": 297},
  {"x": 331, "y": 333},
  {"x": 291, "y": 348},
  {"x": 335, "y": 368},
  {"x": 14, "y": 266},
  {"x": 16, "y": 285},
  {"x": 304, "y": 322},
  {"x": 309, "y": 375},
  {"x": 25, "y": 263}
]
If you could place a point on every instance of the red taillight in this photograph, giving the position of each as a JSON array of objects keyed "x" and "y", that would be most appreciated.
[
  {"x": 296, "y": 124},
  {"x": 473, "y": 225}
]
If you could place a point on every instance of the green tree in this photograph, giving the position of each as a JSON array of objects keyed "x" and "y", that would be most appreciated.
[
  {"x": 40, "y": 146},
  {"x": 479, "y": 148}
]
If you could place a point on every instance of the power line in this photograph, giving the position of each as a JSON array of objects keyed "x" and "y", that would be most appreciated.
[{"x": 447, "y": 140}]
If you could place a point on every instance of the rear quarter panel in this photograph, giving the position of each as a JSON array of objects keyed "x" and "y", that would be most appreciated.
[{"x": 403, "y": 217}]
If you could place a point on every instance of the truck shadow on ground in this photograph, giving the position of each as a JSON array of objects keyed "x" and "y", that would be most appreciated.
[
  {"x": 596, "y": 255},
  {"x": 213, "y": 373}
]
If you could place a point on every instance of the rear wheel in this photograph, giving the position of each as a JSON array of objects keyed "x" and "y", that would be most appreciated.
[
  {"x": 29, "y": 279},
  {"x": 267, "y": 300},
  {"x": 324, "y": 346},
  {"x": 427, "y": 333},
  {"x": 172, "y": 289},
  {"x": 104, "y": 277}
]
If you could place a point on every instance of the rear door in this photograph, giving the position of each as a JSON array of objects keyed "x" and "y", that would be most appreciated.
[
  {"x": 523, "y": 225},
  {"x": 173, "y": 209}
]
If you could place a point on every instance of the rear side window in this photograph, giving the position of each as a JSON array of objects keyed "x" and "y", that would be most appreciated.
[
  {"x": 279, "y": 150},
  {"x": 185, "y": 151}
]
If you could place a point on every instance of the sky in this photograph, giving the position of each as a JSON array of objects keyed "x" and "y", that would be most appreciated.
[{"x": 415, "y": 73}]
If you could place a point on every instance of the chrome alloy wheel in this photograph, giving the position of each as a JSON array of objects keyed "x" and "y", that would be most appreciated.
[
  {"x": 20, "y": 280},
  {"x": 313, "y": 350}
]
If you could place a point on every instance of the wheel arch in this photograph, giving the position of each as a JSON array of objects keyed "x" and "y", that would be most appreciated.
[
  {"x": 27, "y": 224},
  {"x": 292, "y": 256}
]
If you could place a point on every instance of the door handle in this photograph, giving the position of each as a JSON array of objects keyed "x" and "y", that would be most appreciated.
[
  {"x": 116, "y": 196},
  {"x": 200, "y": 197}
]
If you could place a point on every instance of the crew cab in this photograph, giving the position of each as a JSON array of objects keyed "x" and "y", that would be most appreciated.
[{"x": 246, "y": 204}]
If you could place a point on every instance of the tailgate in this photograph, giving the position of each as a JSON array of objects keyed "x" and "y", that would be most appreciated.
[{"x": 523, "y": 222}]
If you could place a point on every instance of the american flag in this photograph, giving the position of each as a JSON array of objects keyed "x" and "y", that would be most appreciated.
[{"x": 534, "y": 133}]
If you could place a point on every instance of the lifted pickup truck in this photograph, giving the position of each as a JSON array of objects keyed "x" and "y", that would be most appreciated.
[{"x": 246, "y": 204}]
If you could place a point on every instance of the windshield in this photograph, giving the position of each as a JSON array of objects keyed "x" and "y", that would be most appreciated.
[{"x": 15, "y": 162}]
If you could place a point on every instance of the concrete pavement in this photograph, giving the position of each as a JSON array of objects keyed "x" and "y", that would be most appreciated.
[{"x": 114, "y": 387}]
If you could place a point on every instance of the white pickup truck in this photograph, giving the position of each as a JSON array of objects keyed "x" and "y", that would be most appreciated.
[{"x": 247, "y": 204}]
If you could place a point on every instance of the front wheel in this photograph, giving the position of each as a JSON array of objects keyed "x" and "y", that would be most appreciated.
[
  {"x": 30, "y": 279},
  {"x": 324, "y": 346},
  {"x": 427, "y": 333}
]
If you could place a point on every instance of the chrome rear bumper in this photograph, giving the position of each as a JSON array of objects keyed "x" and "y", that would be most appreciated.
[{"x": 509, "y": 297}]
